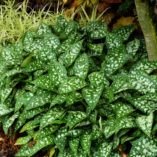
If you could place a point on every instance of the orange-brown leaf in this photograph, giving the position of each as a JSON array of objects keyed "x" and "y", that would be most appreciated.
[
  {"x": 112, "y": 1},
  {"x": 124, "y": 21},
  {"x": 102, "y": 6}
]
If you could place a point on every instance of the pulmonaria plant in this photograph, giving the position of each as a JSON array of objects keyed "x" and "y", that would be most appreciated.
[{"x": 80, "y": 91}]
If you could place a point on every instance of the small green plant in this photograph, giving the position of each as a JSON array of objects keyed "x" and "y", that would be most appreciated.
[
  {"x": 15, "y": 20},
  {"x": 79, "y": 91}
]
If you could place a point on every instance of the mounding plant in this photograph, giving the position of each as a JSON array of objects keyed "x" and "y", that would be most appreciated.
[{"x": 80, "y": 91}]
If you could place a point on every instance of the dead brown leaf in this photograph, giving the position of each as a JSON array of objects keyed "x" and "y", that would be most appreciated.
[
  {"x": 124, "y": 21},
  {"x": 112, "y": 1},
  {"x": 102, "y": 6},
  {"x": 108, "y": 17}
]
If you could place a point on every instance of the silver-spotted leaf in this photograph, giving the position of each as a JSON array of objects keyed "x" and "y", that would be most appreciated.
[
  {"x": 86, "y": 142},
  {"x": 39, "y": 100},
  {"x": 69, "y": 57},
  {"x": 73, "y": 98},
  {"x": 7, "y": 124},
  {"x": 41, "y": 143},
  {"x": 96, "y": 78},
  {"x": 143, "y": 66},
  {"x": 92, "y": 96},
  {"x": 145, "y": 123},
  {"x": 81, "y": 66},
  {"x": 74, "y": 144},
  {"x": 52, "y": 115},
  {"x": 132, "y": 47},
  {"x": 96, "y": 49},
  {"x": 44, "y": 82},
  {"x": 141, "y": 83},
  {"x": 144, "y": 146},
  {"x": 122, "y": 109},
  {"x": 23, "y": 140},
  {"x": 75, "y": 117},
  {"x": 4, "y": 110},
  {"x": 99, "y": 32},
  {"x": 4, "y": 94},
  {"x": 114, "y": 60},
  {"x": 57, "y": 73},
  {"x": 124, "y": 32},
  {"x": 30, "y": 125},
  {"x": 104, "y": 149},
  {"x": 46, "y": 131},
  {"x": 146, "y": 106},
  {"x": 59, "y": 99},
  {"x": 96, "y": 133},
  {"x": 113, "y": 41},
  {"x": 60, "y": 139},
  {"x": 71, "y": 84}
]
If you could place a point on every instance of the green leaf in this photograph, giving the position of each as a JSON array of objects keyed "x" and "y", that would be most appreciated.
[
  {"x": 75, "y": 133},
  {"x": 115, "y": 125},
  {"x": 145, "y": 106},
  {"x": 69, "y": 57},
  {"x": 96, "y": 49},
  {"x": 22, "y": 99},
  {"x": 114, "y": 60},
  {"x": 143, "y": 66},
  {"x": 124, "y": 123},
  {"x": 26, "y": 61},
  {"x": 43, "y": 29},
  {"x": 4, "y": 110},
  {"x": 104, "y": 149},
  {"x": 81, "y": 66},
  {"x": 96, "y": 78},
  {"x": 23, "y": 140},
  {"x": 92, "y": 96},
  {"x": 4, "y": 94},
  {"x": 145, "y": 123},
  {"x": 144, "y": 146},
  {"x": 46, "y": 131},
  {"x": 141, "y": 83},
  {"x": 132, "y": 47},
  {"x": 44, "y": 82},
  {"x": 109, "y": 128},
  {"x": 7, "y": 124},
  {"x": 71, "y": 84},
  {"x": 34, "y": 65},
  {"x": 42, "y": 143},
  {"x": 39, "y": 100},
  {"x": 74, "y": 144},
  {"x": 31, "y": 124},
  {"x": 60, "y": 140},
  {"x": 86, "y": 142},
  {"x": 113, "y": 42},
  {"x": 57, "y": 73},
  {"x": 122, "y": 109},
  {"x": 59, "y": 99},
  {"x": 99, "y": 32},
  {"x": 52, "y": 115},
  {"x": 75, "y": 117},
  {"x": 124, "y": 32},
  {"x": 73, "y": 98},
  {"x": 52, "y": 152},
  {"x": 96, "y": 134}
]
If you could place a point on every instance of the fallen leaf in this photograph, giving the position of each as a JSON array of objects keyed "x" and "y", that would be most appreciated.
[
  {"x": 108, "y": 17},
  {"x": 102, "y": 6},
  {"x": 112, "y": 1},
  {"x": 124, "y": 21},
  {"x": 76, "y": 3}
]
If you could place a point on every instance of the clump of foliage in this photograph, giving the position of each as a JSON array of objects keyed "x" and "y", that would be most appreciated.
[
  {"x": 79, "y": 91},
  {"x": 15, "y": 20}
]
